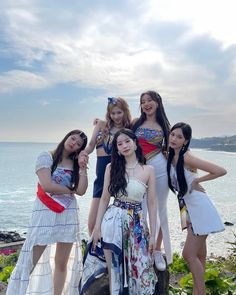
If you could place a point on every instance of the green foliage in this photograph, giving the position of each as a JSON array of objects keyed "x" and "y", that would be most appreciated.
[
  {"x": 178, "y": 265},
  {"x": 216, "y": 284},
  {"x": 84, "y": 244},
  {"x": 216, "y": 264},
  {"x": 230, "y": 262},
  {"x": 176, "y": 291},
  {"x": 5, "y": 274},
  {"x": 7, "y": 260},
  {"x": 186, "y": 283},
  {"x": 7, "y": 264},
  {"x": 233, "y": 246}
]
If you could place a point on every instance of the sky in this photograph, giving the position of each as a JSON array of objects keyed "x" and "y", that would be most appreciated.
[{"x": 60, "y": 60}]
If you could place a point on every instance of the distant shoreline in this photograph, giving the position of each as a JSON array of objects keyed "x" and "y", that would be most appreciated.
[
  {"x": 226, "y": 143},
  {"x": 216, "y": 149}
]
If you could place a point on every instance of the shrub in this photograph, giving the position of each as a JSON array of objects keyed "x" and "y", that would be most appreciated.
[{"x": 178, "y": 265}]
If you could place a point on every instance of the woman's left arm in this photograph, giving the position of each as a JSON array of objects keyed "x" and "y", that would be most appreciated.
[
  {"x": 83, "y": 176},
  {"x": 213, "y": 170}
]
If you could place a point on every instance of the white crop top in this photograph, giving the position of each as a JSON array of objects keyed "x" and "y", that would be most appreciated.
[{"x": 135, "y": 189}]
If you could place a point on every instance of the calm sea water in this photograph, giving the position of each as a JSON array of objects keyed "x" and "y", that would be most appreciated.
[{"x": 18, "y": 185}]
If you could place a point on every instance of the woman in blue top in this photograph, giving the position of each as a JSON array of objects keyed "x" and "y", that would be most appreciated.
[{"x": 117, "y": 117}]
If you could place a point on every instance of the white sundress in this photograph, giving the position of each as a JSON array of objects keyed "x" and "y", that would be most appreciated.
[
  {"x": 48, "y": 228},
  {"x": 197, "y": 208}
]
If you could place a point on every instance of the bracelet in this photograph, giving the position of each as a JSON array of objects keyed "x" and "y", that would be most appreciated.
[{"x": 83, "y": 173}]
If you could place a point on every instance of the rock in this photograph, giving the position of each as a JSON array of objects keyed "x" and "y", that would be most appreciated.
[
  {"x": 228, "y": 223},
  {"x": 162, "y": 286},
  {"x": 3, "y": 288},
  {"x": 101, "y": 286},
  {"x": 10, "y": 236}
]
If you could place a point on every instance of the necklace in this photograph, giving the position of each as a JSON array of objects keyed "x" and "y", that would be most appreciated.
[{"x": 133, "y": 166}]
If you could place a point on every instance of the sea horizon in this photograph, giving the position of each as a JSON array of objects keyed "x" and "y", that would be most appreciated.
[{"x": 18, "y": 186}]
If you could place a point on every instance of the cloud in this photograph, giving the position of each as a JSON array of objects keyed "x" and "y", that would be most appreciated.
[
  {"x": 15, "y": 80},
  {"x": 117, "y": 48}
]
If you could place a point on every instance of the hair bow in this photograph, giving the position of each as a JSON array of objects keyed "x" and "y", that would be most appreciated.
[{"x": 112, "y": 100}]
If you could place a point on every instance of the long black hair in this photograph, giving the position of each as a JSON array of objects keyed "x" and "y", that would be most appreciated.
[
  {"x": 161, "y": 117},
  {"x": 187, "y": 133},
  {"x": 118, "y": 182},
  {"x": 58, "y": 153}
]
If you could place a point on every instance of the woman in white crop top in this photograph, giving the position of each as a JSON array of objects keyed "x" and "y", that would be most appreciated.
[{"x": 121, "y": 228}]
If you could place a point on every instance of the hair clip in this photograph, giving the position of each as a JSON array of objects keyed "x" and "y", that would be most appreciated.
[{"x": 112, "y": 100}]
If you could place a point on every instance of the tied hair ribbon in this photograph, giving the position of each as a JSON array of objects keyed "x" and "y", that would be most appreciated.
[{"x": 112, "y": 100}]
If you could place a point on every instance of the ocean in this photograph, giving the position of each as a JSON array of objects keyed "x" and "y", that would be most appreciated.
[{"x": 18, "y": 185}]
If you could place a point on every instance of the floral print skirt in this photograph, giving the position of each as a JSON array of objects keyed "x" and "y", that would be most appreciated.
[{"x": 125, "y": 233}]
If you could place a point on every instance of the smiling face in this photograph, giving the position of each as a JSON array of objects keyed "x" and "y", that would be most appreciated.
[
  {"x": 177, "y": 139},
  {"x": 148, "y": 105},
  {"x": 125, "y": 145},
  {"x": 117, "y": 116},
  {"x": 73, "y": 143}
]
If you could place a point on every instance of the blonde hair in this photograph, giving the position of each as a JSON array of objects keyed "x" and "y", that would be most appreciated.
[{"x": 121, "y": 104}]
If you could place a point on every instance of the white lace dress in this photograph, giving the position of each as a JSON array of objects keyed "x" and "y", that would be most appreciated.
[{"x": 48, "y": 228}]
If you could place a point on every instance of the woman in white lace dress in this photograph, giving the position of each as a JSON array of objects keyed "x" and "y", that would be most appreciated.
[
  {"x": 43, "y": 268},
  {"x": 198, "y": 214}
]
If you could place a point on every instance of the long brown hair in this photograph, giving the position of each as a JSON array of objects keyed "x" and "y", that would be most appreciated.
[{"x": 58, "y": 153}]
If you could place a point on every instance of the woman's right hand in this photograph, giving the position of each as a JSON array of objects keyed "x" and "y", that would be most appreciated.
[
  {"x": 83, "y": 159},
  {"x": 196, "y": 186},
  {"x": 96, "y": 120},
  {"x": 96, "y": 236}
]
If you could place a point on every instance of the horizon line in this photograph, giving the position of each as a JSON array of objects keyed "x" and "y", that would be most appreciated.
[{"x": 53, "y": 142}]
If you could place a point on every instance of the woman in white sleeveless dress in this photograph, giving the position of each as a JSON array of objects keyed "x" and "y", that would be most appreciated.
[
  {"x": 121, "y": 228},
  {"x": 198, "y": 214}
]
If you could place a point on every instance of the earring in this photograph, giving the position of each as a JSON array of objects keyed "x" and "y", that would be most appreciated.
[
  {"x": 118, "y": 153},
  {"x": 183, "y": 147}
]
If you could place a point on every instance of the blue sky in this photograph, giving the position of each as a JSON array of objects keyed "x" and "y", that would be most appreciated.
[{"x": 60, "y": 60}]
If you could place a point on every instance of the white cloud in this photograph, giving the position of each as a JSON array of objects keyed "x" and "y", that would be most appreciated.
[
  {"x": 205, "y": 16},
  {"x": 179, "y": 48},
  {"x": 14, "y": 80}
]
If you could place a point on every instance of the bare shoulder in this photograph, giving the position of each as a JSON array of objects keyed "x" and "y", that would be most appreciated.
[
  {"x": 149, "y": 169},
  {"x": 108, "y": 167},
  {"x": 190, "y": 159}
]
